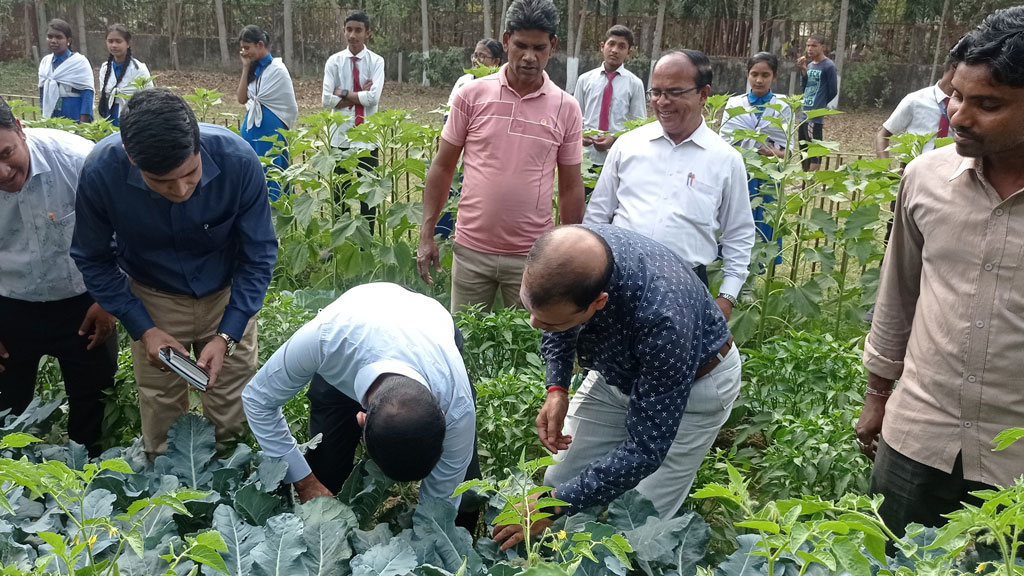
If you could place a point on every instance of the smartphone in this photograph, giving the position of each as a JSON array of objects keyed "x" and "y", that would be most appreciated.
[{"x": 185, "y": 367}]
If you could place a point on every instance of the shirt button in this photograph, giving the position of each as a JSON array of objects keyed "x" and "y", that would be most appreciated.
[
  {"x": 979, "y": 324},
  {"x": 988, "y": 267},
  {"x": 971, "y": 378},
  {"x": 999, "y": 211},
  {"x": 967, "y": 424}
]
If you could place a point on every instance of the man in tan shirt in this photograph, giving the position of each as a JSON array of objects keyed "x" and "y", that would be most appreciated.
[{"x": 949, "y": 321}]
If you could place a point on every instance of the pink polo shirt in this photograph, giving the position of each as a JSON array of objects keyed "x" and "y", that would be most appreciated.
[{"x": 511, "y": 146}]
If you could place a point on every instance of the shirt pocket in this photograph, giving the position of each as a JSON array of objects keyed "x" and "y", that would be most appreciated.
[
  {"x": 1015, "y": 295},
  {"x": 214, "y": 236}
]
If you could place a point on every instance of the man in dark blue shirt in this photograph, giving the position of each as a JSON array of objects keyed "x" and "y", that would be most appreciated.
[
  {"x": 174, "y": 238},
  {"x": 821, "y": 87},
  {"x": 663, "y": 372}
]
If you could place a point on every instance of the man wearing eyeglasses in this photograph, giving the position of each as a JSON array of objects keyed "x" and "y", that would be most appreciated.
[
  {"x": 386, "y": 368},
  {"x": 678, "y": 182}
]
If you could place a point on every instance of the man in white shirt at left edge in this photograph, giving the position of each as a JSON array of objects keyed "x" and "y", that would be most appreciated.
[
  {"x": 386, "y": 366},
  {"x": 677, "y": 182},
  {"x": 44, "y": 306}
]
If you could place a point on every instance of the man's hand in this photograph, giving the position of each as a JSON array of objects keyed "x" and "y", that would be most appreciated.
[
  {"x": 511, "y": 534},
  {"x": 725, "y": 305},
  {"x": 98, "y": 324},
  {"x": 771, "y": 151},
  {"x": 155, "y": 340},
  {"x": 427, "y": 255},
  {"x": 4, "y": 355},
  {"x": 551, "y": 419},
  {"x": 801, "y": 63},
  {"x": 603, "y": 143},
  {"x": 309, "y": 488},
  {"x": 869, "y": 425},
  {"x": 212, "y": 358},
  {"x": 588, "y": 141},
  {"x": 366, "y": 85}
]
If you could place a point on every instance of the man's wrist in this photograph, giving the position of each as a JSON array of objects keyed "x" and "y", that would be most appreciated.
[{"x": 557, "y": 389}]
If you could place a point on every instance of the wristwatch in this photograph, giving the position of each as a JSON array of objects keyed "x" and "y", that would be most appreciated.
[
  {"x": 344, "y": 94},
  {"x": 230, "y": 342},
  {"x": 729, "y": 297}
]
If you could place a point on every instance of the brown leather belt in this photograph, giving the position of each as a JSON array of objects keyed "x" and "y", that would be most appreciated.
[{"x": 714, "y": 362}]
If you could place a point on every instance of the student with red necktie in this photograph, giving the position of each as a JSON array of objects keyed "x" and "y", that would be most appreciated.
[{"x": 920, "y": 112}]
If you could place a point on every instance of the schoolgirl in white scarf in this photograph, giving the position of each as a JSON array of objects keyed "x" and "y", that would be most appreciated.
[
  {"x": 118, "y": 74},
  {"x": 70, "y": 79}
]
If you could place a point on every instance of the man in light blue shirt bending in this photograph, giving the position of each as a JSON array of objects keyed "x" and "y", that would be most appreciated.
[{"x": 385, "y": 365}]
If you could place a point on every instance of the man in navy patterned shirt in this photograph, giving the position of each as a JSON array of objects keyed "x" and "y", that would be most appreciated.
[{"x": 663, "y": 372}]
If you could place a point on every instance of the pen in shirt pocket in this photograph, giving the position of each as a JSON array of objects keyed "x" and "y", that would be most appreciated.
[{"x": 690, "y": 179}]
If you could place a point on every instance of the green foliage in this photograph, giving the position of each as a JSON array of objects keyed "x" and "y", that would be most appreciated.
[
  {"x": 867, "y": 84},
  {"x": 443, "y": 66}
]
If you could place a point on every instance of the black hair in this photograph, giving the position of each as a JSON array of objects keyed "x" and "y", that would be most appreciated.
[
  {"x": 253, "y": 34},
  {"x": 700, "y": 61},
  {"x": 405, "y": 428},
  {"x": 7, "y": 119},
  {"x": 63, "y": 27},
  {"x": 358, "y": 16},
  {"x": 159, "y": 131},
  {"x": 532, "y": 15},
  {"x": 620, "y": 30},
  {"x": 768, "y": 58},
  {"x": 819, "y": 38},
  {"x": 553, "y": 283},
  {"x": 104, "y": 105},
  {"x": 494, "y": 47},
  {"x": 998, "y": 42}
]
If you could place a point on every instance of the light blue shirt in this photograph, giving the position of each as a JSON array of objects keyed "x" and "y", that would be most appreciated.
[
  {"x": 37, "y": 222},
  {"x": 370, "y": 330}
]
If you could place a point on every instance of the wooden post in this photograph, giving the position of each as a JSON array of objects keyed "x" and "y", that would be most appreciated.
[
  {"x": 26, "y": 7},
  {"x": 41, "y": 26},
  {"x": 844, "y": 18},
  {"x": 425, "y": 24},
  {"x": 289, "y": 35},
  {"x": 938, "y": 43},
  {"x": 487, "y": 19},
  {"x": 659, "y": 27},
  {"x": 222, "y": 34},
  {"x": 755, "y": 28},
  {"x": 80, "y": 44}
]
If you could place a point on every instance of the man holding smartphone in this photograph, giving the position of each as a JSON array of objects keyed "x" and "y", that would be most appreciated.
[{"x": 174, "y": 238}]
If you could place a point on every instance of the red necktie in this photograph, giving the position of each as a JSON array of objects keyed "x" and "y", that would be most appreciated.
[
  {"x": 606, "y": 102},
  {"x": 356, "y": 87},
  {"x": 944, "y": 120}
]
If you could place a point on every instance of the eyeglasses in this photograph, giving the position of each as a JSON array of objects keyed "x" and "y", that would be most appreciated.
[
  {"x": 482, "y": 55},
  {"x": 672, "y": 94}
]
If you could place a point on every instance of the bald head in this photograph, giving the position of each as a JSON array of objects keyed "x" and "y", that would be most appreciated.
[
  {"x": 569, "y": 264},
  {"x": 691, "y": 63}
]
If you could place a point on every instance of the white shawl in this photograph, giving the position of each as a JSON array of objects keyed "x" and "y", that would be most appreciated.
[
  {"x": 74, "y": 73},
  {"x": 750, "y": 121},
  {"x": 135, "y": 70},
  {"x": 272, "y": 89}
]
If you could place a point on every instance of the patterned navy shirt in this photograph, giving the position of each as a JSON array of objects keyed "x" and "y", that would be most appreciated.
[{"x": 659, "y": 327}]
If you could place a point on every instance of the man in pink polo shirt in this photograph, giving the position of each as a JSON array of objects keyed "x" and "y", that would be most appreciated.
[{"x": 512, "y": 128}]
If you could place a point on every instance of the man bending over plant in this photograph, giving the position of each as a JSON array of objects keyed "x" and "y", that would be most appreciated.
[
  {"x": 662, "y": 366},
  {"x": 386, "y": 366},
  {"x": 949, "y": 319}
]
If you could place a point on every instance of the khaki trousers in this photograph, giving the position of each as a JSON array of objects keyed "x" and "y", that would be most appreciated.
[
  {"x": 163, "y": 396},
  {"x": 477, "y": 276}
]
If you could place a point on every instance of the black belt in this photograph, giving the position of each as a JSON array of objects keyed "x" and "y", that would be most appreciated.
[{"x": 714, "y": 362}]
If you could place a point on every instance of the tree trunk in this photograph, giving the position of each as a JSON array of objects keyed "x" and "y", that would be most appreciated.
[
  {"x": 173, "y": 15},
  {"x": 28, "y": 27},
  {"x": 41, "y": 26},
  {"x": 844, "y": 18},
  {"x": 488, "y": 12},
  {"x": 222, "y": 33},
  {"x": 574, "y": 46},
  {"x": 659, "y": 27},
  {"x": 571, "y": 40},
  {"x": 504, "y": 12},
  {"x": 936, "y": 62},
  {"x": 755, "y": 28},
  {"x": 80, "y": 45},
  {"x": 289, "y": 35},
  {"x": 425, "y": 24}
]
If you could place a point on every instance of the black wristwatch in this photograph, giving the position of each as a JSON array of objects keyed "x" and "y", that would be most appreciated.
[
  {"x": 555, "y": 511},
  {"x": 344, "y": 94}
]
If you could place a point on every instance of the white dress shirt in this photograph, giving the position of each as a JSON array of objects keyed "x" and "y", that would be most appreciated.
[
  {"x": 121, "y": 92},
  {"x": 37, "y": 222},
  {"x": 918, "y": 113},
  {"x": 777, "y": 137},
  {"x": 689, "y": 196},
  {"x": 628, "y": 103},
  {"x": 338, "y": 74},
  {"x": 368, "y": 331}
]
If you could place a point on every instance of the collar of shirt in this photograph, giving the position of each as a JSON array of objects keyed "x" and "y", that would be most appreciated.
[
  {"x": 58, "y": 59},
  {"x": 369, "y": 374},
  {"x": 939, "y": 94},
  {"x": 262, "y": 63},
  {"x": 618, "y": 71},
  {"x": 759, "y": 100},
  {"x": 544, "y": 88},
  {"x": 965, "y": 165},
  {"x": 702, "y": 136},
  {"x": 347, "y": 54},
  {"x": 37, "y": 162},
  {"x": 210, "y": 171}
]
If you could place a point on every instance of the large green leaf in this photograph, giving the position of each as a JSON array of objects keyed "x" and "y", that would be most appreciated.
[
  {"x": 396, "y": 558},
  {"x": 96, "y": 504},
  {"x": 693, "y": 542},
  {"x": 271, "y": 472},
  {"x": 630, "y": 511},
  {"x": 657, "y": 540},
  {"x": 363, "y": 540},
  {"x": 191, "y": 446},
  {"x": 326, "y": 526},
  {"x": 255, "y": 505},
  {"x": 365, "y": 490},
  {"x": 157, "y": 527},
  {"x": 805, "y": 298},
  {"x": 280, "y": 553},
  {"x": 434, "y": 524},
  {"x": 864, "y": 216},
  {"x": 73, "y": 454},
  {"x": 742, "y": 562},
  {"x": 240, "y": 537}
]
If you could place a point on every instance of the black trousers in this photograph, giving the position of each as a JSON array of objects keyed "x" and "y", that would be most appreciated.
[
  {"x": 30, "y": 330},
  {"x": 333, "y": 414},
  {"x": 366, "y": 163},
  {"x": 702, "y": 274},
  {"x": 915, "y": 492}
]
